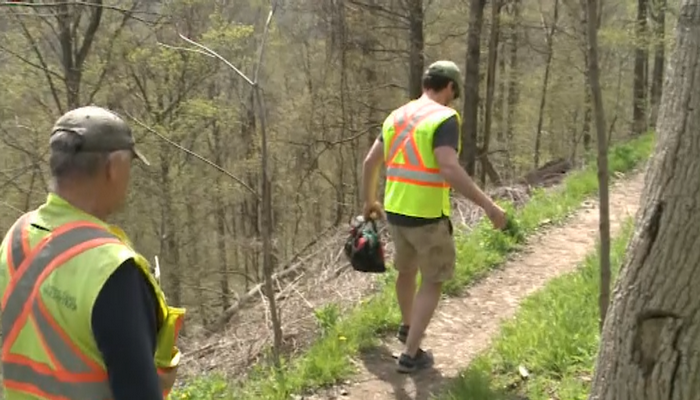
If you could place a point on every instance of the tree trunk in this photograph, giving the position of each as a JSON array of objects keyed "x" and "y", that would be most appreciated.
[
  {"x": 416, "y": 54},
  {"x": 649, "y": 347},
  {"x": 500, "y": 101},
  {"x": 658, "y": 14},
  {"x": 195, "y": 261},
  {"x": 586, "y": 138},
  {"x": 224, "y": 272},
  {"x": 602, "y": 139},
  {"x": 266, "y": 211},
  {"x": 513, "y": 81},
  {"x": 471, "y": 86},
  {"x": 641, "y": 61},
  {"x": 169, "y": 242},
  {"x": 490, "y": 83},
  {"x": 344, "y": 108},
  {"x": 549, "y": 38}
]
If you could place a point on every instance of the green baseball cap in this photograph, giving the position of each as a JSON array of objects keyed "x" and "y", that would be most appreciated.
[
  {"x": 100, "y": 129},
  {"x": 446, "y": 69}
]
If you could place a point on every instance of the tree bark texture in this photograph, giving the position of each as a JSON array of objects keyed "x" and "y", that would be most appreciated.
[
  {"x": 650, "y": 342},
  {"x": 549, "y": 39},
  {"x": 494, "y": 37},
  {"x": 417, "y": 44},
  {"x": 470, "y": 111}
]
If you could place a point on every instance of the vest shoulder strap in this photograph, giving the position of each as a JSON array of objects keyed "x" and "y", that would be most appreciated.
[{"x": 72, "y": 375}]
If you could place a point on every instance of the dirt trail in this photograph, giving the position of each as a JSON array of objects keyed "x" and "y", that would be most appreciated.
[{"x": 463, "y": 327}]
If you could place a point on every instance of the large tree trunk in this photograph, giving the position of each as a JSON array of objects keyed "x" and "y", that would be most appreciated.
[
  {"x": 490, "y": 87},
  {"x": 549, "y": 39},
  {"x": 513, "y": 81},
  {"x": 471, "y": 87},
  {"x": 416, "y": 60},
  {"x": 650, "y": 341}
]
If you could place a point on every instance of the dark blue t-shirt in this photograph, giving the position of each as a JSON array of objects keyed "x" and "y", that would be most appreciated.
[{"x": 125, "y": 325}]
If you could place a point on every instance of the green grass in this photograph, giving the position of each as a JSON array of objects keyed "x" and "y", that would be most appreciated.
[
  {"x": 554, "y": 336},
  {"x": 327, "y": 360}
]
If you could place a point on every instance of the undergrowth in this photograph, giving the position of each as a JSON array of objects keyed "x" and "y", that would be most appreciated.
[
  {"x": 548, "y": 350},
  {"x": 327, "y": 361}
]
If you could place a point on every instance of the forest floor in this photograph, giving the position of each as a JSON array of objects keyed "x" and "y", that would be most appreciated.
[{"x": 464, "y": 326}]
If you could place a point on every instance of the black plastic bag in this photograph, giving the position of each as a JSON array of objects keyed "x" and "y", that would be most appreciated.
[{"x": 364, "y": 248}]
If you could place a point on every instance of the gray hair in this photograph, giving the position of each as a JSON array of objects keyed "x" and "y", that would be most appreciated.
[{"x": 66, "y": 159}]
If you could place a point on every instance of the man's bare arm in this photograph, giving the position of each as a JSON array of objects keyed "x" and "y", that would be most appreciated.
[
  {"x": 370, "y": 171},
  {"x": 458, "y": 178}
]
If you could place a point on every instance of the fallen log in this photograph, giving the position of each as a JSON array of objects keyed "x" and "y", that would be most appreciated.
[{"x": 552, "y": 170}]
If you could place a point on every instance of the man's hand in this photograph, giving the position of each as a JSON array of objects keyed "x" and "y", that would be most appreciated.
[
  {"x": 497, "y": 216},
  {"x": 167, "y": 378},
  {"x": 455, "y": 175},
  {"x": 373, "y": 211}
]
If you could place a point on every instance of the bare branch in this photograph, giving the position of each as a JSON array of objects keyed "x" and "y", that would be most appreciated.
[
  {"x": 11, "y": 207},
  {"x": 266, "y": 30},
  {"x": 37, "y": 8},
  {"x": 20, "y": 4},
  {"x": 204, "y": 53},
  {"x": 97, "y": 85},
  {"x": 380, "y": 10},
  {"x": 220, "y": 58},
  {"x": 195, "y": 155},
  {"x": 89, "y": 35}
]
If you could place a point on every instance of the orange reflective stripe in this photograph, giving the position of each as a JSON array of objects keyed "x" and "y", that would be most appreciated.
[
  {"x": 178, "y": 326},
  {"x": 23, "y": 378},
  {"x": 416, "y": 177},
  {"x": 73, "y": 375},
  {"x": 404, "y": 127},
  {"x": 401, "y": 123},
  {"x": 413, "y": 170}
]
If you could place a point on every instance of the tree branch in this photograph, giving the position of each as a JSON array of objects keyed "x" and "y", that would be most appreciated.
[
  {"x": 217, "y": 56},
  {"x": 195, "y": 155}
]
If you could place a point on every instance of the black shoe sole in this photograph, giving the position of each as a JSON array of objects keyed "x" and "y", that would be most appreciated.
[
  {"x": 410, "y": 367},
  {"x": 402, "y": 369}
]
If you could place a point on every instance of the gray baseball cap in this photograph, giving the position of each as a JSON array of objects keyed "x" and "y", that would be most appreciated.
[
  {"x": 446, "y": 69},
  {"x": 100, "y": 129}
]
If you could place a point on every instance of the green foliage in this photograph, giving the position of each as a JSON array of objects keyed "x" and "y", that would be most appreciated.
[
  {"x": 212, "y": 388},
  {"x": 513, "y": 228},
  {"x": 327, "y": 317},
  {"x": 327, "y": 361},
  {"x": 554, "y": 336},
  {"x": 330, "y": 76}
]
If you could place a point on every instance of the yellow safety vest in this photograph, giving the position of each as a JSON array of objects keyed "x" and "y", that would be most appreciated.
[
  {"x": 49, "y": 281},
  {"x": 414, "y": 186}
]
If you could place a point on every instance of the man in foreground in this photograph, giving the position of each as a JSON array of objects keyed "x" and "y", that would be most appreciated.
[
  {"x": 419, "y": 144},
  {"x": 82, "y": 317}
]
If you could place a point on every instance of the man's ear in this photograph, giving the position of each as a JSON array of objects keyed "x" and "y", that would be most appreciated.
[
  {"x": 108, "y": 167},
  {"x": 112, "y": 164},
  {"x": 455, "y": 89}
]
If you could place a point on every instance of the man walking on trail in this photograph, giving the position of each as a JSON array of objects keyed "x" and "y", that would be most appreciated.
[
  {"x": 82, "y": 316},
  {"x": 419, "y": 144}
]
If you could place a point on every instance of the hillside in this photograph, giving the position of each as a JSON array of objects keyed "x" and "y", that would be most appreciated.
[{"x": 249, "y": 183}]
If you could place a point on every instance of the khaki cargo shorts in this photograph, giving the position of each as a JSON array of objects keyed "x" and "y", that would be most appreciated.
[{"x": 430, "y": 248}]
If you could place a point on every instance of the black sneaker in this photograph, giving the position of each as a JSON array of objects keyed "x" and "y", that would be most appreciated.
[
  {"x": 422, "y": 360},
  {"x": 402, "y": 335}
]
